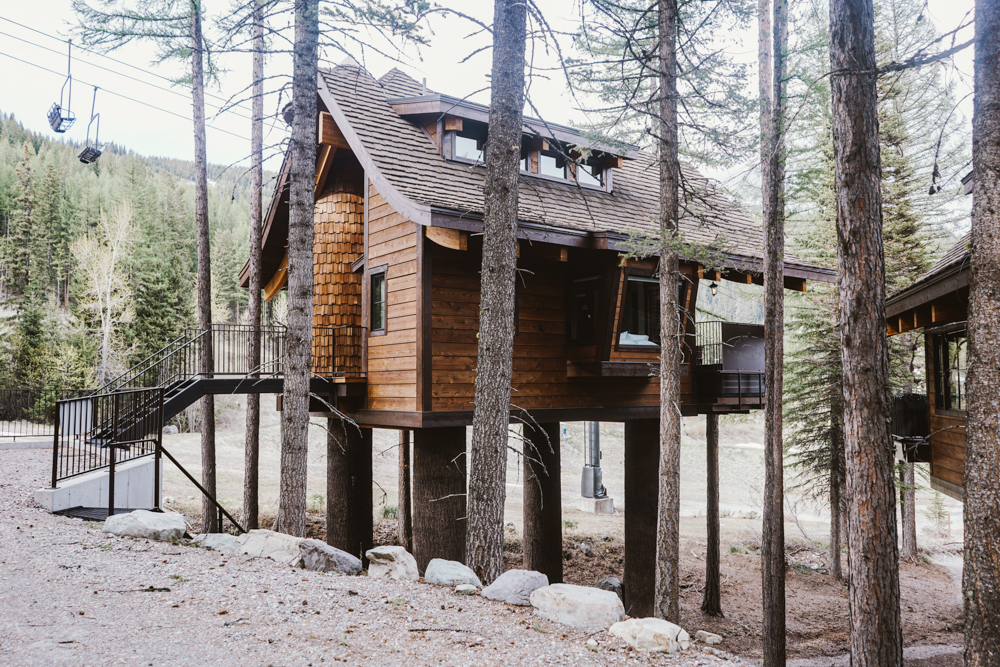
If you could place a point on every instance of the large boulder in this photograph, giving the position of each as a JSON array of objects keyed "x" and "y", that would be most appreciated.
[
  {"x": 515, "y": 587},
  {"x": 269, "y": 544},
  {"x": 222, "y": 542},
  {"x": 651, "y": 634},
  {"x": 321, "y": 557},
  {"x": 578, "y": 606},
  {"x": 150, "y": 525},
  {"x": 442, "y": 572},
  {"x": 392, "y": 563}
]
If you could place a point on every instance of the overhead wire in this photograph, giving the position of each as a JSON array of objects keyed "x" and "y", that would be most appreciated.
[
  {"x": 115, "y": 60},
  {"x": 124, "y": 97},
  {"x": 145, "y": 83}
]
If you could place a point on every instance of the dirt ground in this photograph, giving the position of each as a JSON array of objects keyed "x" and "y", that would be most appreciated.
[{"x": 816, "y": 602}]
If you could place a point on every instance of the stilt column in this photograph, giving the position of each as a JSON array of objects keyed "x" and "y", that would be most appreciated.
[
  {"x": 642, "y": 462},
  {"x": 439, "y": 487},
  {"x": 543, "y": 501},
  {"x": 349, "y": 487}
]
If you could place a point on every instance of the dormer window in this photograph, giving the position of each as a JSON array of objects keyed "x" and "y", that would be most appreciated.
[
  {"x": 590, "y": 173},
  {"x": 551, "y": 163},
  {"x": 470, "y": 146}
]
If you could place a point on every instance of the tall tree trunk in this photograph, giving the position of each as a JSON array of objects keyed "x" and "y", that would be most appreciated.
[
  {"x": 981, "y": 577},
  {"x": 252, "y": 448},
  {"x": 298, "y": 341},
  {"x": 908, "y": 497},
  {"x": 836, "y": 483},
  {"x": 209, "y": 515},
  {"x": 772, "y": 47},
  {"x": 667, "y": 598},
  {"x": 711, "y": 602},
  {"x": 488, "y": 465},
  {"x": 404, "y": 518},
  {"x": 876, "y": 633}
]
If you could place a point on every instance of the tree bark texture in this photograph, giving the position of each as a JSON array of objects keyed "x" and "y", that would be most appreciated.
[
  {"x": 298, "y": 336},
  {"x": 210, "y": 522},
  {"x": 836, "y": 483},
  {"x": 439, "y": 494},
  {"x": 251, "y": 459},
  {"x": 711, "y": 602},
  {"x": 349, "y": 487},
  {"x": 908, "y": 497},
  {"x": 642, "y": 460},
  {"x": 488, "y": 465},
  {"x": 404, "y": 519},
  {"x": 667, "y": 583},
  {"x": 772, "y": 49},
  {"x": 876, "y": 634},
  {"x": 542, "y": 501},
  {"x": 981, "y": 577}
]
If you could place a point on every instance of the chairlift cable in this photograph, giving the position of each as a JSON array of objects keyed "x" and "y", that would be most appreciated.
[
  {"x": 115, "y": 60},
  {"x": 127, "y": 76},
  {"x": 124, "y": 97}
]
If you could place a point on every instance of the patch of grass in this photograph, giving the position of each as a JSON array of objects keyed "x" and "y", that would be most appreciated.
[
  {"x": 179, "y": 578},
  {"x": 537, "y": 628},
  {"x": 105, "y": 547},
  {"x": 317, "y": 503},
  {"x": 736, "y": 549},
  {"x": 399, "y": 601},
  {"x": 570, "y": 525},
  {"x": 390, "y": 512},
  {"x": 800, "y": 568},
  {"x": 751, "y": 514}
]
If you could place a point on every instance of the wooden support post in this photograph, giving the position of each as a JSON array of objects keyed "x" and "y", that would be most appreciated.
[
  {"x": 439, "y": 499},
  {"x": 403, "y": 518},
  {"x": 349, "y": 524},
  {"x": 642, "y": 464},
  {"x": 542, "y": 501},
  {"x": 711, "y": 603}
]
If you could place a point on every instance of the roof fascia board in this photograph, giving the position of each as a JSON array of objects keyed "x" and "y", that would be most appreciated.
[
  {"x": 272, "y": 209},
  {"x": 409, "y": 209},
  {"x": 442, "y": 104},
  {"x": 949, "y": 282},
  {"x": 533, "y": 231}
]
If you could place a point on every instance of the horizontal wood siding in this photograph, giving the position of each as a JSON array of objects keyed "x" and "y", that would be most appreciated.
[
  {"x": 947, "y": 433},
  {"x": 338, "y": 242},
  {"x": 540, "y": 350},
  {"x": 392, "y": 358}
]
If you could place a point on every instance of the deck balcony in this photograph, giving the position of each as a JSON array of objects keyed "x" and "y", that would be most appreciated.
[{"x": 729, "y": 366}]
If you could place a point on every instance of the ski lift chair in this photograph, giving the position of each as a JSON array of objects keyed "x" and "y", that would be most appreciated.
[
  {"x": 91, "y": 151},
  {"x": 61, "y": 118}
]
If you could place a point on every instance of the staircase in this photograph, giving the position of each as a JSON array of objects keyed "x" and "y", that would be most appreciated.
[{"x": 122, "y": 420}]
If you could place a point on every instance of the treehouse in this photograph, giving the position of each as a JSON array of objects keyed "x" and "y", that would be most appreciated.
[
  {"x": 936, "y": 304},
  {"x": 397, "y": 256}
]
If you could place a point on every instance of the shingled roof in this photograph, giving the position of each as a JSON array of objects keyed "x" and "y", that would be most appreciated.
[
  {"x": 408, "y": 170},
  {"x": 951, "y": 262}
]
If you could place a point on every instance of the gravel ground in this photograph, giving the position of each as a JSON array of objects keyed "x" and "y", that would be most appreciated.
[{"x": 73, "y": 595}]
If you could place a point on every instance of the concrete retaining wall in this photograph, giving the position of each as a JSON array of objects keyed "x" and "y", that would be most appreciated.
[{"x": 133, "y": 488}]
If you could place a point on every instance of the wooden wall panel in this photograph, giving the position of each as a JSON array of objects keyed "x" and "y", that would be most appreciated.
[
  {"x": 947, "y": 432},
  {"x": 392, "y": 357},
  {"x": 540, "y": 350}
]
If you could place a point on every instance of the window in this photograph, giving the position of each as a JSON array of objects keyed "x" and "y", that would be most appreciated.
[
  {"x": 469, "y": 146},
  {"x": 589, "y": 173},
  {"x": 583, "y": 309},
  {"x": 641, "y": 318},
  {"x": 551, "y": 163},
  {"x": 950, "y": 363},
  {"x": 378, "y": 300}
]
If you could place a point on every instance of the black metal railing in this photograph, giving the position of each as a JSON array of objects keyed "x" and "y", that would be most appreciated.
[
  {"x": 336, "y": 352},
  {"x": 105, "y": 430},
  {"x": 708, "y": 343},
  {"x": 30, "y": 413}
]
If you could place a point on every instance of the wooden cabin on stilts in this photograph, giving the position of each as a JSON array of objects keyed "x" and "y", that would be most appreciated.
[{"x": 399, "y": 206}]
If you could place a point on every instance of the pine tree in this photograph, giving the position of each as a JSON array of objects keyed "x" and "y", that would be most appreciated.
[{"x": 17, "y": 255}]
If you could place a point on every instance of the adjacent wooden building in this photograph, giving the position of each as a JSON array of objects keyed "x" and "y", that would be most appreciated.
[{"x": 399, "y": 205}]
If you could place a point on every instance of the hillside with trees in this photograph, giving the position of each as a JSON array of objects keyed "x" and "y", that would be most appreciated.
[{"x": 62, "y": 323}]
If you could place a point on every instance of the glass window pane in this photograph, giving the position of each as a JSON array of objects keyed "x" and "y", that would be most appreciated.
[
  {"x": 588, "y": 174},
  {"x": 641, "y": 320},
  {"x": 551, "y": 165},
  {"x": 469, "y": 148},
  {"x": 378, "y": 302}
]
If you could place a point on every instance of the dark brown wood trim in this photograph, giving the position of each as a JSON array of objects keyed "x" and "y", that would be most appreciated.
[
  {"x": 425, "y": 324},
  {"x": 946, "y": 285},
  {"x": 374, "y": 271},
  {"x": 365, "y": 314},
  {"x": 607, "y": 326},
  {"x": 947, "y": 488},
  {"x": 358, "y": 264},
  {"x": 625, "y": 272},
  {"x": 620, "y": 369}
]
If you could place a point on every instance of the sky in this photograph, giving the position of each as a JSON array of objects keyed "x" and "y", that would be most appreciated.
[{"x": 141, "y": 110}]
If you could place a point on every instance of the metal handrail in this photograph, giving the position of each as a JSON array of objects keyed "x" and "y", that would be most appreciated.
[{"x": 130, "y": 371}]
